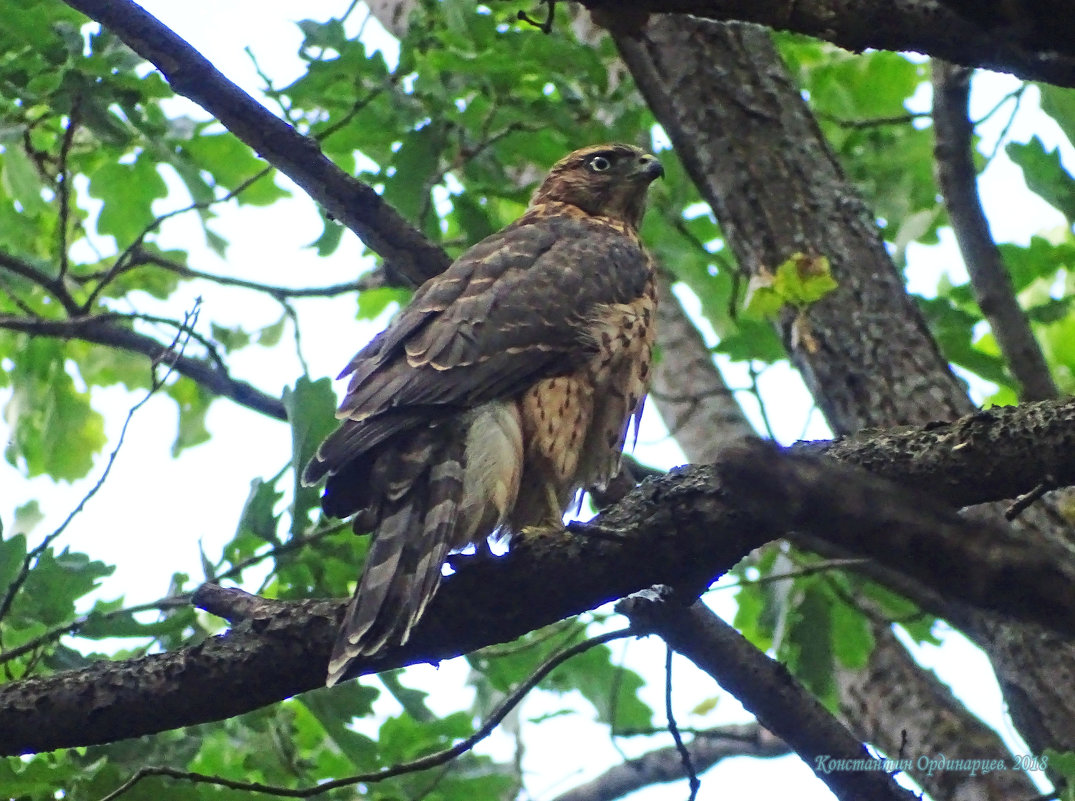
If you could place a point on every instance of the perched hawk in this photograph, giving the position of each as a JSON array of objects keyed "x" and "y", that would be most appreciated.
[{"x": 505, "y": 387}]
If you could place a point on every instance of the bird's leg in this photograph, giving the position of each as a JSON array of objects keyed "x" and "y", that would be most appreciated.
[{"x": 552, "y": 525}]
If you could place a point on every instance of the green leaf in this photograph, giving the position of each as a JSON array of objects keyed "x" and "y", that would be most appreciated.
[
  {"x": 330, "y": 238},
  {"x": 230, "y": 338},
  {"x": 258, "y": 516},
  {"x": 1040, "y": 258},
  {"x": 22, "y": 181},
  {"x": 1059, "y": 103},
  {"x": 55, "y": 431},
  {"x": 233, "y": 164},
  {"x": 311, "y": 407},
  {"x": 1045, "y": 174},
  {"x": 852, "y": 639},
  {"x": 808, "y": 646},
  {"x": 334, "y": 709},
  {"x": 270, "y": 335},
  {"x": 953, "y": 328},
  {"x": 415, "y": 166},
  {"x": 128, "y": 192},
  {"x": 373, "y": 302},
  {"x": 798, "y": 282},
  {"x": 1062, "y": 762},
  {"x": 413, "y": 701},
  {"x": 193, "y": 402},
  {"x": 27, "y": 517},
  {"x": 612, "y": 689},
  {"x": 753, "y": 339},
  {"x": 12, "y": 554},
  {"x": 54, "y": 584}
]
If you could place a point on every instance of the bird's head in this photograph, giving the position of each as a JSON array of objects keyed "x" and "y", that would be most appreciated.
[{"x": 606, "y": 180}]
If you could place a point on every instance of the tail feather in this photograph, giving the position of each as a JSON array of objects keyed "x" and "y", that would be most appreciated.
[{"x": 411, "y": 541}]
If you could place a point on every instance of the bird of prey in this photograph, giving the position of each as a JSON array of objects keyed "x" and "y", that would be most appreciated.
[{"x": 505, "y": 387}]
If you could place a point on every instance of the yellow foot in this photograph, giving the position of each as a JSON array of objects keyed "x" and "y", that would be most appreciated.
[{"x": 544, "y": 531}]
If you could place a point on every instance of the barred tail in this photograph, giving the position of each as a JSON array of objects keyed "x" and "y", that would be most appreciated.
[{"x": 420, "y": 489}]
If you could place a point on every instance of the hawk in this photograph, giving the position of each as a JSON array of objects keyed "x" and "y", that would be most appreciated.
[{"x": 505, "y": 387}]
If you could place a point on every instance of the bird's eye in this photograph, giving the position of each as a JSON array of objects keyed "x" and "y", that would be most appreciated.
[{"x": 599, "y": 164}]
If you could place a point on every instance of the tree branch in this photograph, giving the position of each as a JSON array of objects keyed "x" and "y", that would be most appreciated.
[
  {"x": 102, "y": 331},
  {"x": 764, "y": 686},
  {"x": 664, "y": 764},
  {"x": 1038, "y": 45},
  {"x": 409, "y": 256},
  {"x": 990, "y": 280},
  {"x": 683, "y": 530}
]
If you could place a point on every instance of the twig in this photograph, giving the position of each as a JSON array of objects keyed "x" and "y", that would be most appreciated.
[
  {"x": 63, "y": 188},
  {"x": 372, "y": 280},
  {"x": 1017, "y": 95},
  {"x": 28, "y": 562},
  {"x": 684, "y": 754},
  {"x": 422, "y": 763},
  {"x": 873, "y": 122},
  {"x": 407, "y": 253},
  {"x": 53, "y": 634},
  {"x": 53, "y": 285},
  {"x": 756, "y": 392},
  {"x": 809, "y": 570},
  {"x": 126, "y": 260},
  {"x": 1023, "y": 502},
  {"x": 545, "y": 25},
  {"x": 100, "y": 330}
]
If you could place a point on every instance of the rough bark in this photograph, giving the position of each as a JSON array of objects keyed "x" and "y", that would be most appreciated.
[
  {"x": 740, "y": 126},
  {"x": 683, "y": 530},
  {"x": 1031, "y": 40}
]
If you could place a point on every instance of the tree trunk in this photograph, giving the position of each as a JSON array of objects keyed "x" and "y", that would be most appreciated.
[{"x": 751, "y": 145}]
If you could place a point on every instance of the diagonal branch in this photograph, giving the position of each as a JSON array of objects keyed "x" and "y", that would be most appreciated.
[
  {"x": 102, "y": 331},
  {"x": 683, "y": 530},
  {"x": 409, "y": 256},
  {"x": 664, "y": 764},
  {"x": 990, "y": 280},
  {"x": 1033, "y": 45},
  {"x": 765, "y": 688}
]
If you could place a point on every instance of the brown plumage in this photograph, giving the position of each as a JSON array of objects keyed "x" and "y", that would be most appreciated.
[{"x": 507, "y": 385}]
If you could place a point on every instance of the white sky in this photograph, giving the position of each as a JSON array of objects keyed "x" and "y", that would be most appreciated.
[{"x": 155, "y": 511}]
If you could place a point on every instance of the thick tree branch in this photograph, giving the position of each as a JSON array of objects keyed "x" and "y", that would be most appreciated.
[
  {"x": 764, "y": 686},
  {"x": 990, "y": 280},
  {"x": 682, "y": 530},
  {"x": 1038, "y": 43},
  {"x": 665, "y": 765},
  {"x": 409, "y": 256},
  {"x": 103, "y": 331}
]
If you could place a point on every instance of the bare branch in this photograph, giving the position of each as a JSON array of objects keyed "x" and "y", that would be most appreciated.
[
  {"x": 54, "y": 286},
  {"x": 765, "y": 687},
  {"x": 662, "y": 765},
  {"x": 103, "y": 331},
  {"x": 1032, "y": 46},
  {"x": 368, "y": 281},
  {"x": 990, "y": 280},
  {"x": 409, "y": 256},
  {"x": 174, "y": 350},
  {"x": 422, "y": 763},
  {"x": 126, "y": 260},
  {"x": 685, "y": 757}
]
